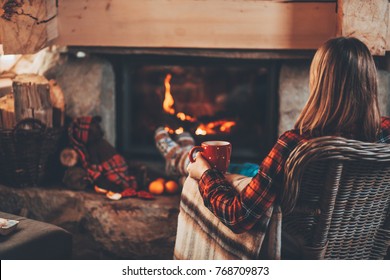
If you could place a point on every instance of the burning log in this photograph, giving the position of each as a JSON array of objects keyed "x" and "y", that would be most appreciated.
[
  {"x": 175, "y": 123},
  {"x": 32, "y": 98}
]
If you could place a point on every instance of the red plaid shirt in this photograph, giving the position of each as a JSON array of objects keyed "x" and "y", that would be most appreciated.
[{"x": 241, "y": 211}]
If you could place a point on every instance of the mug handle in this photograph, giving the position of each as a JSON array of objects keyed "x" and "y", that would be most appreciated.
[{"x": 190, "y": 154}]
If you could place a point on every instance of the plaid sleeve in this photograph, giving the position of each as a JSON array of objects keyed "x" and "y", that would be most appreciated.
[
  {"x": 385, "y": 133},
  {"x": 241, "y": 211}
]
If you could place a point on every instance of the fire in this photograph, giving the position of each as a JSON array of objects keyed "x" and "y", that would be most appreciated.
[
  {"x": 201, "y": 130},
  {"x": 169, "y": 130},
  {"x": 178, "y": 131},
  {"x": 185, "y": 117},
  {"x": 215, "y": 127},
  {"x": 226, "y": 126},
  {"x": 168, "y": 100}
]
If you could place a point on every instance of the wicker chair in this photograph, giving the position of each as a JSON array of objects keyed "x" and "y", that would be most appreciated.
[{"x": 342, "y": 210}]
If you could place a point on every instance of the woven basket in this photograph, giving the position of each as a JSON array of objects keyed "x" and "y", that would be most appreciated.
[{"x": 25, "y": 152}]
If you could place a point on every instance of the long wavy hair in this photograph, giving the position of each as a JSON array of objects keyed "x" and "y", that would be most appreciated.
[
  {"x": 343, "y": 92},
  {"x": 343, "y": 98}
]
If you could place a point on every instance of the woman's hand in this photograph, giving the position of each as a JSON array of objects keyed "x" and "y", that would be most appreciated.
[{"x": 197, "y": 168}]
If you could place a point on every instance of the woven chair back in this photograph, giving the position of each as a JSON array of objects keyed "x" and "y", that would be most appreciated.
[{"x": 340, "y": 197}]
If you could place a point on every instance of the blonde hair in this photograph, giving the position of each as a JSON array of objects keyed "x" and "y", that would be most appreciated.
[{"x": 343, "y": 92}]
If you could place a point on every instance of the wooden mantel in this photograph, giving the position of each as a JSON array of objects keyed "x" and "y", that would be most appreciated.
[
  {"x": 197, "y": 24},
  {"x": 205, "y": 24}
]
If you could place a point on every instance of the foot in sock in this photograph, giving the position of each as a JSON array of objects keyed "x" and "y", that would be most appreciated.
[
  {"x": 164, "y": 143},
  {"x": 186, "y": 142},
  {"x": 170, "y": 150}
]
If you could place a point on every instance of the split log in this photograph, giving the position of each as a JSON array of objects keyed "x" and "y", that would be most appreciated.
[
  {"x": 7, "y": 112},
  {"x": 32, "y": 98},
  {"x": 58, "y": 101},
  {"x": 68, "y": 157},
  {"x": 5, "y": 85}
]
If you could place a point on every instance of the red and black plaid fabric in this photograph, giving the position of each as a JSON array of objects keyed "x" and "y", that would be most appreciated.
[
  {"x": 114, "y": 170},
  {"x": 241, "y": 211},
  {"x": 79, "y": 129},
  {"x": 384, "y": 137},
  {"x": 78, "y": 136}
]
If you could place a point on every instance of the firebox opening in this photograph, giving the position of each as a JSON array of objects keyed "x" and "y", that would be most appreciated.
[{"x": 212, "y": 98}]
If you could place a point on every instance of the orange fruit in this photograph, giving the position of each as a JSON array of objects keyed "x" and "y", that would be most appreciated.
[
  {"x": 171, "y": 187},
  {"x": 156, "y": 187}
]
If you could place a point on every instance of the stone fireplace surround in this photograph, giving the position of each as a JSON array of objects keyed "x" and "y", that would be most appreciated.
[{"x": 129, "y": 228}]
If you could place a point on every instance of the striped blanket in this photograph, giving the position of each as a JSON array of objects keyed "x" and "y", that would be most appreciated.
[{"x": 202, "y": 236}]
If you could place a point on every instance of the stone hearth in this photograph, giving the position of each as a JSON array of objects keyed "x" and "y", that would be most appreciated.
[{"x": 102, "y": 229}]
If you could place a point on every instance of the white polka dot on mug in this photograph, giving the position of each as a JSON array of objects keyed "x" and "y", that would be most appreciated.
[{"x": 217, "y": 153}]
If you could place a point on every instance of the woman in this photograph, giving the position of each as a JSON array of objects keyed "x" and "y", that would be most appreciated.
[{"x": 343, "y": 102}]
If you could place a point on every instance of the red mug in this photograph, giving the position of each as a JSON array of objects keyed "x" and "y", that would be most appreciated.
[{"x": 217, "y": 153}]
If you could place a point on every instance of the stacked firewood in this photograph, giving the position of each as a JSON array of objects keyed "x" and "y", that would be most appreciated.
[
  {"x": 32, "y": 96},
  {"x": 7, "y": 112}
]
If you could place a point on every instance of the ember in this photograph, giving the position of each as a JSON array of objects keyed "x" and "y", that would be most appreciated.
[
  {"x": 178, "y": 131},
  {"x": 214, "y": 127}
]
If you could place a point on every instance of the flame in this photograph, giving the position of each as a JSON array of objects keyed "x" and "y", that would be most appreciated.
[
  {"x": 180, "y": 130},
  {"x": 169, "y": 130},
  {"x": 185, "y": 117},
  {"x": 227, "y": 126},
  {"x": 215, "y": 127},
  {"x": 169, "y": 102},
  {"x": 223, "y": 126},
  {"x": 201, "y": 130},
  {"x": 168, "y": 99}
]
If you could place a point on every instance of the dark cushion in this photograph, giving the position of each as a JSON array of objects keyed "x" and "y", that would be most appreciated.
[{"x": 35, "y": 240}]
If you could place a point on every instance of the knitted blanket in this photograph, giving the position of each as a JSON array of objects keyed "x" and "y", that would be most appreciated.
[{"x": 202, "y": 236}]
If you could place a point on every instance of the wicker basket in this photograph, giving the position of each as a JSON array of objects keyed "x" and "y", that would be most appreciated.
[{"x": 25, "y": 152}]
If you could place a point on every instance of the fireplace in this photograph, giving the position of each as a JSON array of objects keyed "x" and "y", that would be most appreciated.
[
  {"x": 212, "y": 98},
  {"x": 271, "y": 91}
]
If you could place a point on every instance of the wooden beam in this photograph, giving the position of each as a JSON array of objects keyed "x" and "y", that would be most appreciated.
[
  {"x": 199, "y": 53},
  {"x": 196, "y": 24},
  {"x": 367, "y": 20},
  {"x": 27, "y": 26}
]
